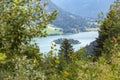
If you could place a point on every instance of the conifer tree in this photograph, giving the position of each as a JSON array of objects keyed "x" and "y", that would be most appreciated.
[
  {"x": 109, "y": 32},
  {"x": 66, "y": 50}
]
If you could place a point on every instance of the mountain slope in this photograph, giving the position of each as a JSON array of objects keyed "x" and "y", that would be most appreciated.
[
  {"x": 69, "y": 22},
  {"x": 84, "y": 8}
]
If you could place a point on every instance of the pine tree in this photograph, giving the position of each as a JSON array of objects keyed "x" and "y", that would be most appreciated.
[
  {"x": 109, "y": 32},
  {"x": 66, "y": 50}
]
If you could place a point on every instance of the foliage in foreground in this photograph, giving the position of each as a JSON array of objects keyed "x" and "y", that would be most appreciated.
[
  {"x": 55, "y": 67},
  {"x": 108, "y": 41},
  {"x": 20, "y": 60},
  {"x": 20, "y": 22},
  {"x": 50, "y": 68}
]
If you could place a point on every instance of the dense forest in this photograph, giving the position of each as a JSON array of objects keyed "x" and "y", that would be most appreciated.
[{"x": 23, "y": 20}]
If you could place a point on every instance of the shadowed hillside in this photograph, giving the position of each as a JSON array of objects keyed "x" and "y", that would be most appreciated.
[{"x": 69, "y": 22}]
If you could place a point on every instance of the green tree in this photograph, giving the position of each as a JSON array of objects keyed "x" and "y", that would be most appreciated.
[
  {"x": 109, "y": 32},
  {"x": 66, "y": 50},
  {"x": 20, "y": 22}
]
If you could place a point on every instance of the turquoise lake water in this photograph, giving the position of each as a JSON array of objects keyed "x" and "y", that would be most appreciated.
[{"x": 84, "y": 37}]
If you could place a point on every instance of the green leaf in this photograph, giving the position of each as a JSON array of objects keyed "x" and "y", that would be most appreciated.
[{"x": 2, "y": 56}]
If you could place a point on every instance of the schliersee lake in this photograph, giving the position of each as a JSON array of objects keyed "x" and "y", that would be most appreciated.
[{"x": 84, "y": 37}]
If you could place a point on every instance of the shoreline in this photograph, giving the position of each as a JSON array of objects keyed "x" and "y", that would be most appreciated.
[{"x": 87, "y": 30}]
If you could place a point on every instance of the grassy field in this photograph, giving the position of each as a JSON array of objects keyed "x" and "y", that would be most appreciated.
[{"x": 51, "y": 30}]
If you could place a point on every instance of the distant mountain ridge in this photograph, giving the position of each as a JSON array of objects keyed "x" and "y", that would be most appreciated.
[
  {"x": 84, "y": 8},
  {"x": 70, "y": 23}
]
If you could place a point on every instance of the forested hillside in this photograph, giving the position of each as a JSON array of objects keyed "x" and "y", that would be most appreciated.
[
  {"x": 20, "y": 58},
  {"x": 69, "y": 22}
]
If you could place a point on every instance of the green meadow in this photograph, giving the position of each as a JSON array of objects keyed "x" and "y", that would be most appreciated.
[{"x": 50, "y": 29}]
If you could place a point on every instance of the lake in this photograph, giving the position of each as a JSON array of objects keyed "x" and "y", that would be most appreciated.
[{"x": 84, "y": 37}]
